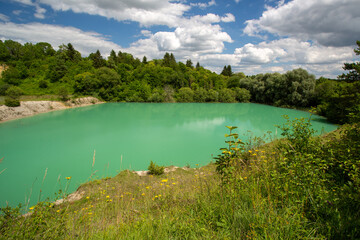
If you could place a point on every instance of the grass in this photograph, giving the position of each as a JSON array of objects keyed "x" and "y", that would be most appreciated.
[{"x": 270, "y": 192}]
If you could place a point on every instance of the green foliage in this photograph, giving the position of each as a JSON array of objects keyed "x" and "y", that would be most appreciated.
[
  {"x": 13, "y": 96},
  {"x": 342, "y": 103},
  {"x": 353, "y": 68},
  {"x": 316, "y": 179},
  {"x": 43, "y": 83},
  {"x": 242, "y": 95},
  {"x": 63, "y": 93},
  {"x": 155, "y": 169},
  {"x": 226, "y": 95},
  {"x": 227, "y": 71},
  {"x": 226, "y": 161},
  {"x": 298, "y": 133},
  {"x": 185, "y": 94},
  {"x": 97, "y": 59}
]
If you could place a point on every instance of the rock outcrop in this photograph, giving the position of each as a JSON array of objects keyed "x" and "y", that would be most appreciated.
[{"x": 30, "y": 108}]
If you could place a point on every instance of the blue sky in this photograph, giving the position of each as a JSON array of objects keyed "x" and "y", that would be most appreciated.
[{"x": 253, "y": 36}]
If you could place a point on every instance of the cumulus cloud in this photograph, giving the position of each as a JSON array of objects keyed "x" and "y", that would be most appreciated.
[
  {"x": 293, "y": 50},
  {"x": 259, "y": 54},
  {"x": 328, "y": 22},
  {"x": 286, "y": 54},
  {"x": 187, "y": 41},
  {"x": 85, "y": 42}
]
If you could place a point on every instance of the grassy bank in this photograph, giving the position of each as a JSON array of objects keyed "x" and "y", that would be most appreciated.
[{"x": 301, "y": 187}]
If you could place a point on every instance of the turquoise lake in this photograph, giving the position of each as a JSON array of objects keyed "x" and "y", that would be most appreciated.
[{"x": 124, "y": 136}]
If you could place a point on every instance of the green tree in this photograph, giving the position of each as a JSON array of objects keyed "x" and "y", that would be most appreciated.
[
  {"x": 189, "y": 63},
  {"x": 353, "y": 68},
  {"x": 200, "y": 95},
  {"x": 86, "y": 83},
  {"x": 300, "y": 87},
  {"x": 226, "y": 95},
  {"x": 57, "y": 69},
  {"x": 227, "y": 71},
  {"x": 242, "y": 95},
  {"x": 97, "y": 59},
  {"x": 12, "y": 76},
  {"x": 212, "y": 96},
  {"x": 185, "y": 94}
]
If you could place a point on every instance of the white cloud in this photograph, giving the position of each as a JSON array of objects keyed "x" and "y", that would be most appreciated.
[
  {"x": 147, "y": 13},
  {"x": 292, "y": 50},
  {"x": 167, "y": 41},
  {"x": 203, "y": 5},
  {"x": 17, "y": 12},
  {"x": 259, "y": 54},
  {"x": 291, "y": 53},
  {"x": 40, "y": 12},
  {"x": 328, "y": 22},
  {"x": 146, "y": 33},
  {"x": 84, "y": 42},
  {"x": 228, "y": 18},
  {"x": 4, "y": 18}
]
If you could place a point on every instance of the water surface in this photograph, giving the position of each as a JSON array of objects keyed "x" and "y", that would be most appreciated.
[{"x": 125, "y": 136}]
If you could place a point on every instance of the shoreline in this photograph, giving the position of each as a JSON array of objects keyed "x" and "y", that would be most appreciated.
[{"x": 32, "y": 108}]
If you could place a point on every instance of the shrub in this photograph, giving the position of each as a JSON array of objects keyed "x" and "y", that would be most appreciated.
[
  {"x": 226, "y": 95},
  {"x": 154, "y": 169},
  {"x": 43, "y": 83},
  {"x": 12, "y": 96},
  {"x": 63, "y": 93},
  {"x": 242, "y": 95},
  {"x": 185, "y": 94}
]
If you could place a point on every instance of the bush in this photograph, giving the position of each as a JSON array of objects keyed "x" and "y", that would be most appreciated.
[
  {"x": 155, "y": 169},
  {"x": 12, "y": 102},
  {"x": 226, "y": 95},
  {"x": 185, "y": 94},
  {"x": 63, "y": 93},
  {"x": 43, "y": 83},
  {"x": 242, "y": 95},
  {"x": 13, "y": 96}
]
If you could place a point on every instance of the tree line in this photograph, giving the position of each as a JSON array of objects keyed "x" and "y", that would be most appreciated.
[{"x": 38, "y": 69}]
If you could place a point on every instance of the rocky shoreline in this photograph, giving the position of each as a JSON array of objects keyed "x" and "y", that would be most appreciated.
[{"x": 31, "y": 108}]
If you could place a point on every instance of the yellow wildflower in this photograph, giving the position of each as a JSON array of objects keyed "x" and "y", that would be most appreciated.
[
  {"x": 32, "y": 208},
  {"x": 143, "y": 194},
  {"x": 107, "y": 196},
  {"x": 68, "y": 178},
  {"x": 250, "y": 151},
  {"x": 164, "y": 180}
]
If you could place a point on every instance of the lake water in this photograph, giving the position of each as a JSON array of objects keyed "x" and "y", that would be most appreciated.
[{"x": 125, "y": 136}]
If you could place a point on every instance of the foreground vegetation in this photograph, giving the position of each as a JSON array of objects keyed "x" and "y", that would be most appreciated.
[
  {"x": 301, "y": 187},
  {"x": 37, "y": 69}
]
